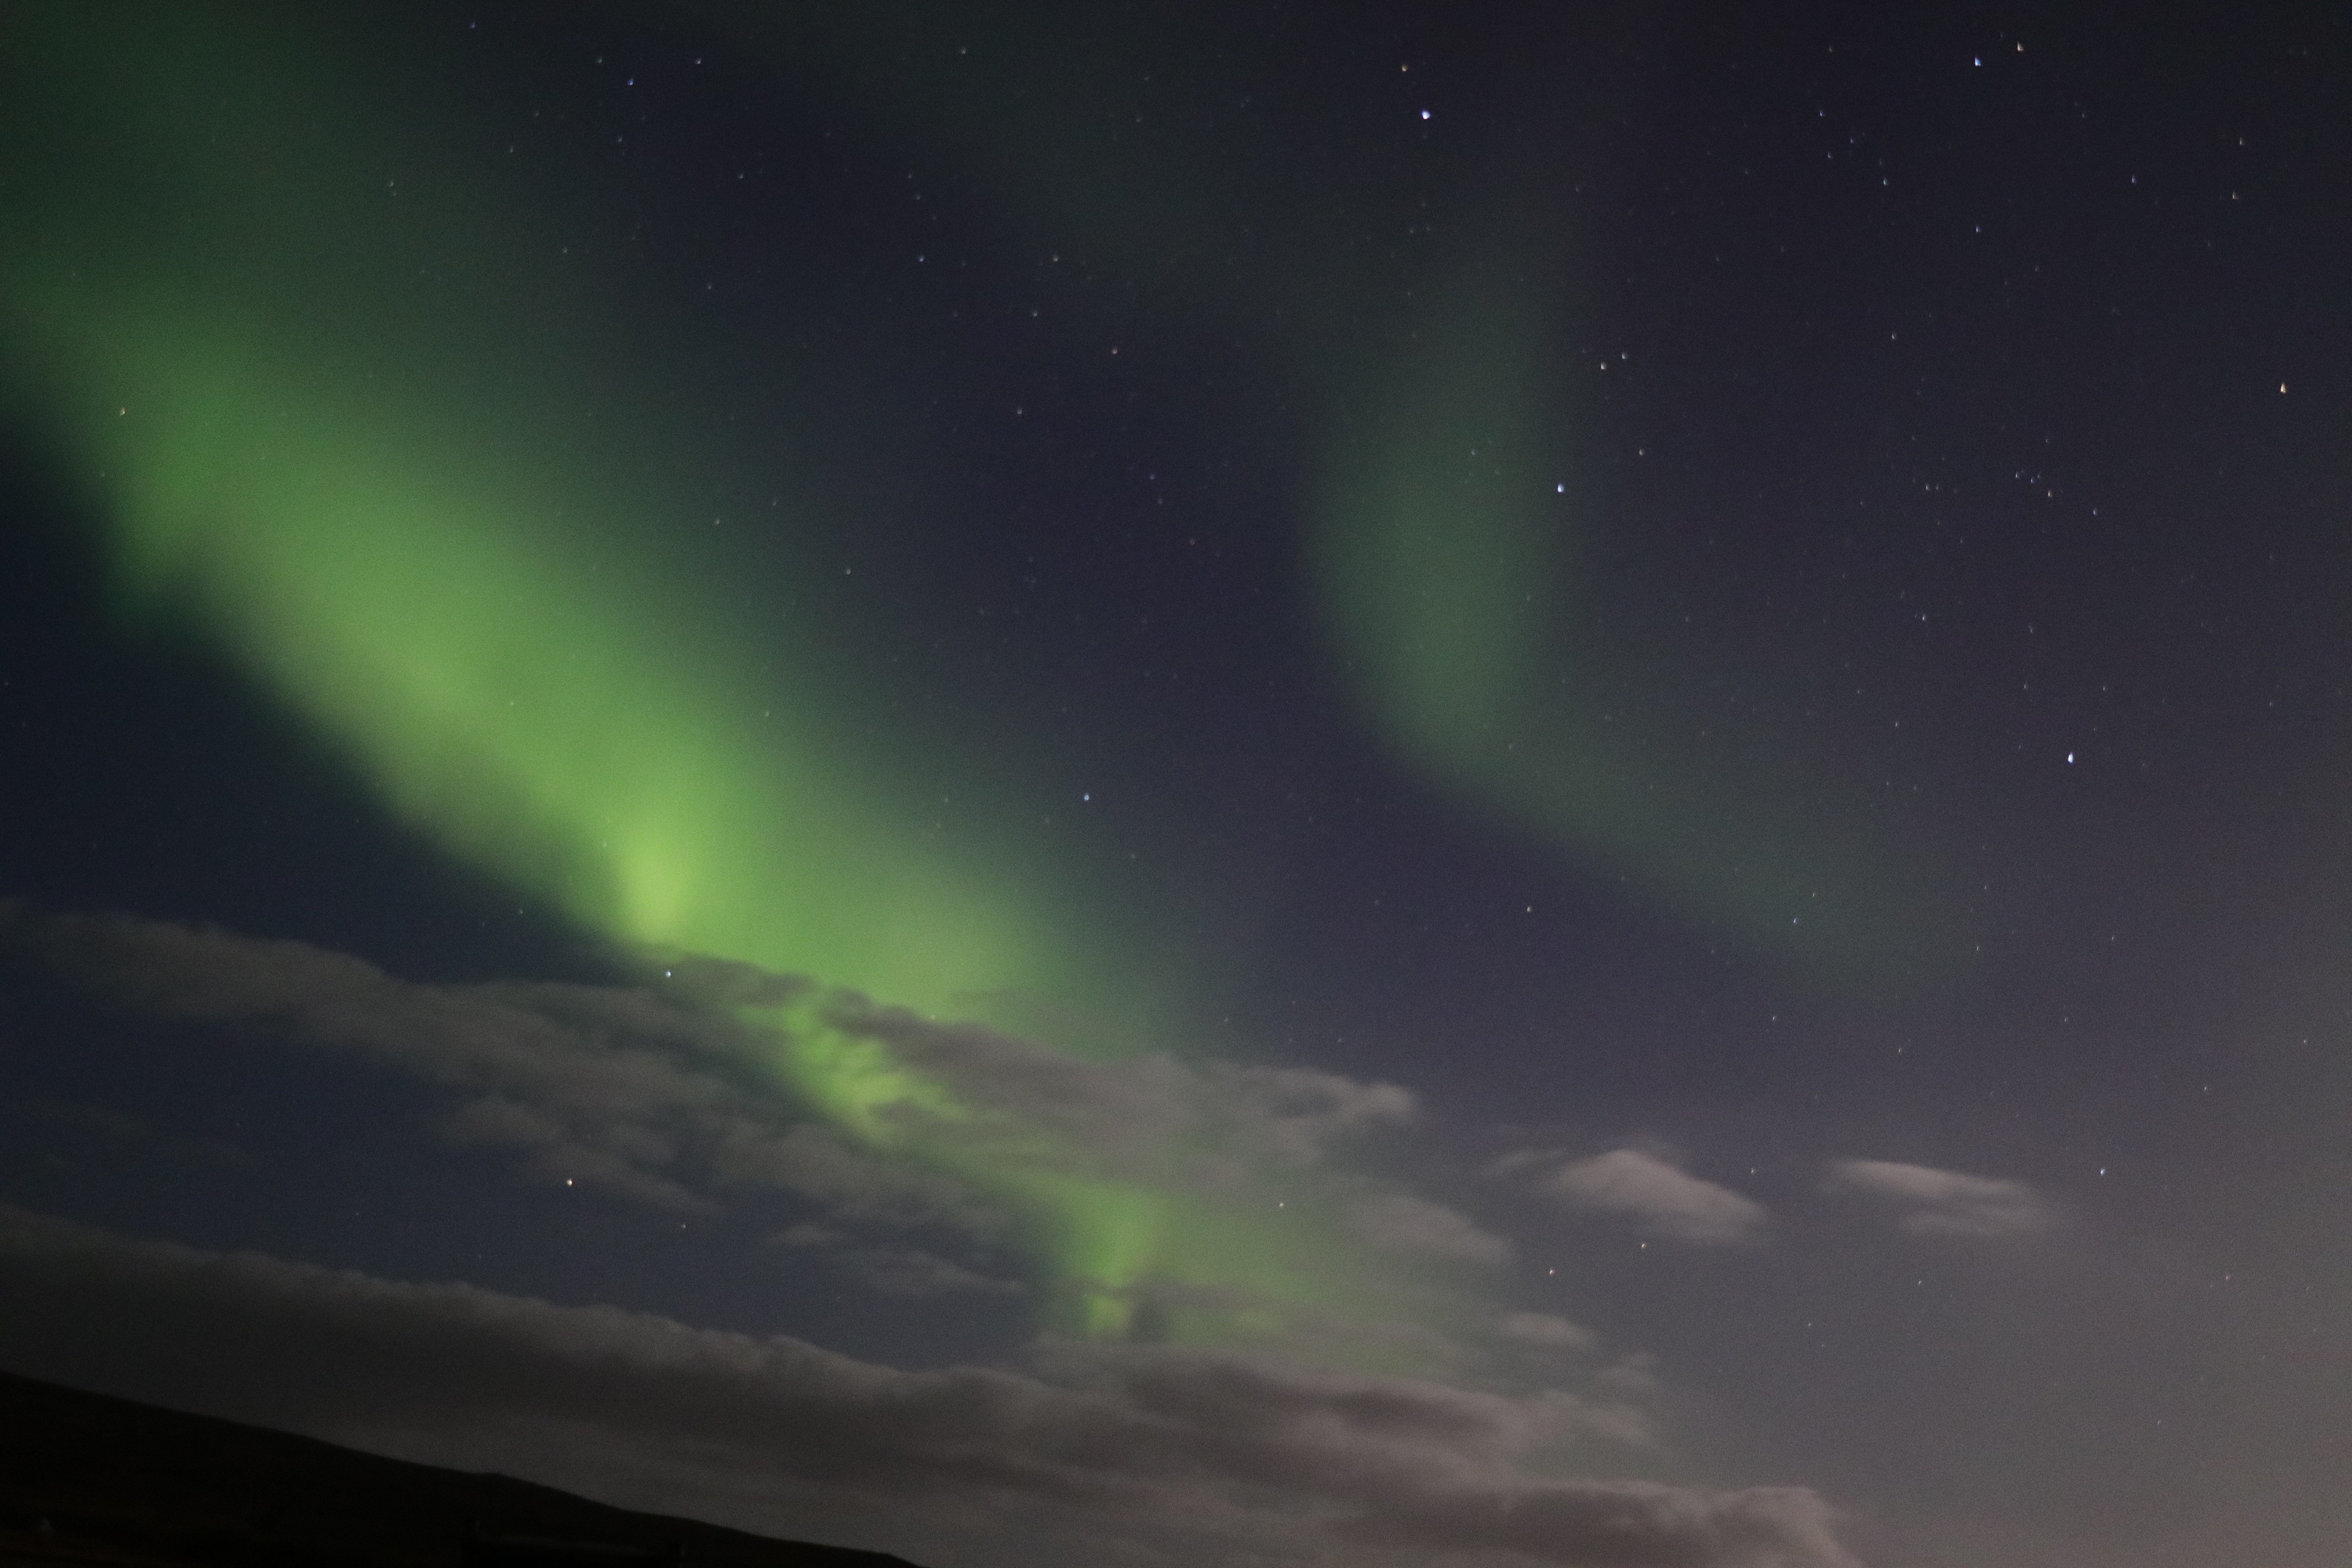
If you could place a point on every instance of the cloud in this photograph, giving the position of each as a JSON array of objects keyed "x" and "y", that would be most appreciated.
[
  {"x": 1659, "y": 1196},
  {"x": 652, "y": 1096},
  {"x": 1175, "y": 1456},
  {"x": 911, "y": 1272},
  {"x": 1545, "y": 1331},
  {"x": 638, "y": 1092},
  {"x": 1150, "y": 1116},
  {"x": 124, "y": 1134},
  {"x": 898, "y": 1270},
  {"x": 668, "y": 1099},
  {"x": 1944, "y": 1203},
  {"x": 1400, "y": 1223},
  {"x": 605, "y": 1086}
]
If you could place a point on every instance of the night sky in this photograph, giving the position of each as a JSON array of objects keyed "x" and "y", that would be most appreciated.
[{"x": 1074, "y": 785}]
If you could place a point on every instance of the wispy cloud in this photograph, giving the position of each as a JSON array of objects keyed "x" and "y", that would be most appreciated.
[
  {"x": 1180, "y": 1456},
  {"x": 1944, "y": 1203},
  {"x": 1400, "y": 1223},
  {"x": 895, "y": 1270},
  {"x": 1545, "y": 1331},
  {"x": 669, "y": 1101},
  {"x": 662, "y": 1096},
  {"x": 120, "y": 1133},
  {"x": 1653, "y": 1194},
  {"x": 606, "y": 1086}
]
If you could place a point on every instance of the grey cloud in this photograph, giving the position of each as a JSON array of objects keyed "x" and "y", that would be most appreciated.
[
  {"x": 1659, "y": 1196},
  {"x": 609, "y": 1086},
  {"x": 626, "y": 1091},
  {"x": 1381, "y": 1332},
  {"x": 666, "y": 1104},
  {"x": 1400, "y": 1222},
  {"x": 638, "y": 1094},
  {"x": 1176, "y": 1454},
  {"x": 1298, "y": 1111},
  {"x": 1616, "y": 1410},
  {"x": 557, "y": 1154},
  {"x": 897, "y": 1270},
  {"x": 604, "y": 1085},
  {"x": 1944, "y": 1203},
  {"x": 911, "y": 1272},
  {"x": 1150, "y": 1116},
  {"x": 122, "y": 1132},
  {"x": 856, "y": 1186},
  {"x": 1545, "y": 1331}
]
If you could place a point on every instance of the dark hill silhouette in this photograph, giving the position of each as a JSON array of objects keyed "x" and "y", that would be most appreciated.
[{"x": 110, "y": 1483}]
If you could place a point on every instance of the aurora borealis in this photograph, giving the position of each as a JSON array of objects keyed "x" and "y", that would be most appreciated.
[
  {"x": 1030, "y": 784},
  {"x": 561, "y": 716},
  {"x": 468, "y": 611}
]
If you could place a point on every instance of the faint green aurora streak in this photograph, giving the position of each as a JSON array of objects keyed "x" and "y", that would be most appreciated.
[
  {"x": 1449, "y": 509},
  {"x": 385, "y": 500},
  {"x": 1446, "y": 564}
]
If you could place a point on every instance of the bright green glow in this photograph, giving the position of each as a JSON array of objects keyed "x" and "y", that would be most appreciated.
[
  {"x": 562, "y": 728},
  {"x": 1445, "y": 558},
  {"x": 859, "y": 1084},
  {"x": 1107, "y": 1244},
  {"x": 395, "y": 506},
  {"x": 398, "y": 510}
]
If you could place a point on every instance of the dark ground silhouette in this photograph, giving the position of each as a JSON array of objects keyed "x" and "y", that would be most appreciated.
[{"x": 85, "y": 1478}]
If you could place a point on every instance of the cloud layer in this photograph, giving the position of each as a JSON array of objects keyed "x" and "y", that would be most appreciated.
[
  {"x": 663, "y": 1099},
  {"x": 1659, "y": 1197},
  {"x": 1143, "y": 1452},
  {"x": 1944, "y": 1203},
  {"x": 1171, "y": 1453}
]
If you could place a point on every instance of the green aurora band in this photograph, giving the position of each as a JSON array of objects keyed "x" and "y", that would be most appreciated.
[
  {"x": 1449, "y": 505},
  {"x": 1446, "y": 567},
  {"x": 308, "y": 368}
]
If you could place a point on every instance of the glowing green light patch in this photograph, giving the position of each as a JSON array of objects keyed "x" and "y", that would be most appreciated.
[{"x": 858, "y": 1082}]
